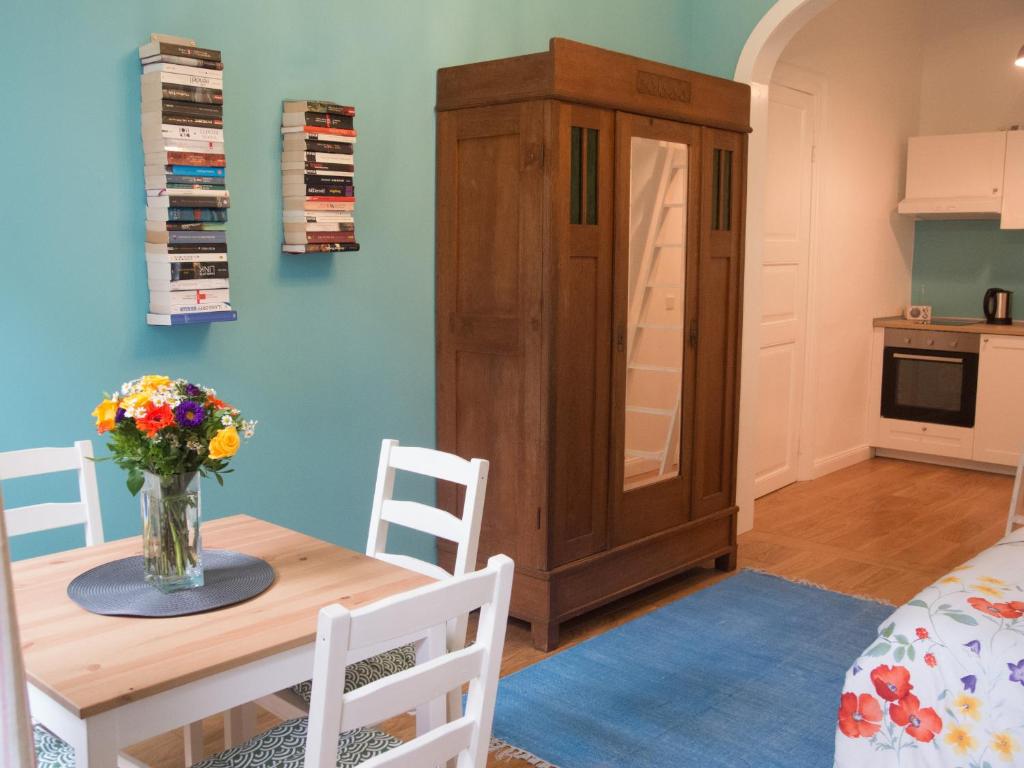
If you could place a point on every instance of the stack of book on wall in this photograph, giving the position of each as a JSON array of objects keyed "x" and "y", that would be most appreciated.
[
  {"x": 317, "y": 177},
  {"x": 186, "y": 194}
]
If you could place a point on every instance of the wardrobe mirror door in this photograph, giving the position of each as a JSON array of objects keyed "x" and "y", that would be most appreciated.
[{"x": 656, "y": 311}]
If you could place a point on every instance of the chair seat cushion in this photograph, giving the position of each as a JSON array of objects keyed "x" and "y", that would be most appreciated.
[
  {"x": 52, "y": 752},
  {"x": 368, "y": 670},
  {"x": 284, "y": 746}
]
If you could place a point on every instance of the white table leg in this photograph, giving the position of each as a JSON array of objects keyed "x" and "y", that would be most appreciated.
[
  {"x": 100, "y": 747},
  {"x": 239, "y": 725},
  {"x": 193, "y": 733}
]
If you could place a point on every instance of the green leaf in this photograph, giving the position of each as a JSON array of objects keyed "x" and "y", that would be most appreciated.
[
  {"x": 911, "y": 653},
  {"x": 888, "y": 630},
  {"x": 898, "y": 656},
  {"x": 220, "y": 480},
  {"x": 918, "y": 604},
  {"x": 963, "y": 619},
  {"x": 878, "y": 650},
  {"x": 902, "y": 639},
  {"x": 135, "y": 481}
]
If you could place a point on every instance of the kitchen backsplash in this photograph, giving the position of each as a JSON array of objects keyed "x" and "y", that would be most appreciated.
[{"x": 955, "y": 262}]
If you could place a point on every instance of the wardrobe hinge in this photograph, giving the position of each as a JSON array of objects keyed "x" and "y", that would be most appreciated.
[
  {"x": 693, "y": 333},
  {"x": 538, "y": 518}
]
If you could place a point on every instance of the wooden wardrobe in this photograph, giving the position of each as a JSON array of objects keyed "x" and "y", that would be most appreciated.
[{"x": 590, "y": 211}]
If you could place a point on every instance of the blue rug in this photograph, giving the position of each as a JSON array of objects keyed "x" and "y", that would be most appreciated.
[{"x": 747, "y": 672}]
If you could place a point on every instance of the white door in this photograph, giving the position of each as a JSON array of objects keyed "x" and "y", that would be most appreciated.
[
  {"x": 999, "y": 416},
  {"x": 787, "y": 228}
]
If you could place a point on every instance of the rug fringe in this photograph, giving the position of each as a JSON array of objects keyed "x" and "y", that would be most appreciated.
[
  {"x": 503, "y": 751},
  {"x": 807, "y": 583}
]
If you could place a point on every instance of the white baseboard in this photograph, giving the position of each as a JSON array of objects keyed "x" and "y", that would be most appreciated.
[
  {"x": 841, "y": 460},
  {"x": 946, "y": 461}
]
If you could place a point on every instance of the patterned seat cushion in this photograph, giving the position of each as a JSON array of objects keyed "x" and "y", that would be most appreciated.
[
  {"x": 362, "y": 672},
  {"x": 284, "y": 746},
  {"x": 52, "y": 752}
]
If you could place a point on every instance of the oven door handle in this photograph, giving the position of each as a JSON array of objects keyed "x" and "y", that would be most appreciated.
[{"x": 929, "y": 358}]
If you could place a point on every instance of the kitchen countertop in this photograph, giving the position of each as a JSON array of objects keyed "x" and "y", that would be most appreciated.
[{"x": 978, "y": 326}]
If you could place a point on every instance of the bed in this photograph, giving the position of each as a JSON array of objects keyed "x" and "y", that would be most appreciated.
[{"x": 943, "y": 683}]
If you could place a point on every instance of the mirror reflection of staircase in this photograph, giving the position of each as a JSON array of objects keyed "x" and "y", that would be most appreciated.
[{"x": 654, "y": 330}]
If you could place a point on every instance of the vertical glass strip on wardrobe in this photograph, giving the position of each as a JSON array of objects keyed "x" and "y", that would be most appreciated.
[
  {"x": 591, "y": 178},
  {"x": 575, "y": 175},
  {"x": 716, "y": 175}
]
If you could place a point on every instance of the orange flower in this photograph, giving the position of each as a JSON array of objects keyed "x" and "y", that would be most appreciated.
[
  {"x": 922, "y": 724},
  {"x": 216, "y": 403},
  {"x": 859, "y": 716},
  {"x": 156, "y": 418},
  {"x": 105, "y": 415},
  {"x": 892, "y": 683},
  {"x": 1011, "y": 610}
]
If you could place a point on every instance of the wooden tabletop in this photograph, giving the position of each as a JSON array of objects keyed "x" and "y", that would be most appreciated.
[{"x": 93, "y": 663}]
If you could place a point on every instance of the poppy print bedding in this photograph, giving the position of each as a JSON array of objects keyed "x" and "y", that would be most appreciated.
[{"x": 943, "y": 683}]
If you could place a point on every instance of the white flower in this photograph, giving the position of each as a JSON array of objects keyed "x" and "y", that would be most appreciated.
[
  {"x": 227, "y": 421},
  {"x": 157, "y": 400},
  {"x": 194, "y": 444},
  {"x": 174, "y": 402},
  {"x": 248, "y": 427}
]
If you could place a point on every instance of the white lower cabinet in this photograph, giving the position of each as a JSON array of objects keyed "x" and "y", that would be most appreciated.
[
  {"x": 999, "y": 415},
  {"x": 933, "y": 439}
]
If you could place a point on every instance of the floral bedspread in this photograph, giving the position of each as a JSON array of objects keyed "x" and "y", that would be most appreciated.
[{"x": 943, "y": 683}]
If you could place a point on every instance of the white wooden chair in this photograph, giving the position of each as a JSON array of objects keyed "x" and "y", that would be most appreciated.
[
  {"x": 16, "y": 743},
  {"x": 387, "y": 511},
  {"x": 43, "y": 517},
  {"x": 1016, "y": 514},
  {"x": 433, "y": 611}
]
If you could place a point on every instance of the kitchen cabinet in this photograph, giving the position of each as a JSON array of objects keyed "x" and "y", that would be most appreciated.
[
  {"x": 957, "y": 176},
  {"x": 999, "y": 415},
  {"x": 1013, "y": 182},
  {"x": 590, "y": 219}
]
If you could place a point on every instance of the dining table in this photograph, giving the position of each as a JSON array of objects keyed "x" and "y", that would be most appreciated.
[{"x": 102, "y": 683}]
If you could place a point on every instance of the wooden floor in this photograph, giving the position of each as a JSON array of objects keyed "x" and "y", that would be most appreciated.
[{"x": 883, "y": 529}]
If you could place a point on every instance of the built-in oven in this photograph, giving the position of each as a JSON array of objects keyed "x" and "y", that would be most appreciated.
[{"x": 930, "y": 376}]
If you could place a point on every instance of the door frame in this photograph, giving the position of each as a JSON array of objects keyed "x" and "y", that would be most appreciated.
[{"x": 755, "y": 66}]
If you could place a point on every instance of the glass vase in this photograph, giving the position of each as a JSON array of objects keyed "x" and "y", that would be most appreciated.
[{"x": 172, "y": 551}]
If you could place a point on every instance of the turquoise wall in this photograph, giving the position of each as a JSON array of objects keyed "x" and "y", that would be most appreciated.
[
  {"x": 955, "y": 262},
  {"x": 331, "y": 353}
]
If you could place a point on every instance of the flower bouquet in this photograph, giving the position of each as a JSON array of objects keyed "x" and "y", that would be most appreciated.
[{"x": 166, "y": 434}]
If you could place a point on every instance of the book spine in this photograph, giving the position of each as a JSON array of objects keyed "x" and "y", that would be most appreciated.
[
  {"x": 328, "y": 120},
  {"x": 312, "y": 165},
  {"x": 183, "y": 258},
  {"x": 174, "y": 309},
  {"x": 191, "y": 318},
  {"x": 321, "y": 190},
  {"x": 193, "y": 121},
  {"x": 322, "y": 247},
  {"x": 184, "y": 169},
  {"x": 197, "y": 270},
  {"x": 193, "y": 247},
  {"x": 189, "y": 51},
  {"x": 197, "y": 160},
  {"x": 169, "y": 131},
  {"x": 325, "y": 106},
  {"x": 330, "y": 237},
  {"x": 197, "y": 201},
  {"x": 330, "y": 199},
  {"x": 193, "y": 80},
  {"x": 191, "y": 94},
  {"x": 195, "y": 238},
  {"x": 312, "y": 131},
  {"x": 335, "y": 148},
  {"x": 189, "y": 109},
  {"x": 197, "y": 214}
]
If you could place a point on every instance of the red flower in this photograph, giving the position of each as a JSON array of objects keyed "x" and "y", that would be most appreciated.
[
  {"x": 155, "y": 419},
  {"x": 1011, "y": 610},
  {"x": 216, "y": 403},
  {"x": 859, "y": 717},
  {"x": 922, "y": 724},
  {"x": 892, "y": 683},
  {"x": 922, "y": 633},
  {"x": 929, "y": 659}
]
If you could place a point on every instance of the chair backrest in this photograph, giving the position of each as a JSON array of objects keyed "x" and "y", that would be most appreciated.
[
  {"x": 464, "y": 532},
  {"x": 16, "y": 745},
  {"x": 341, "y": 633},
  {"x": 43, "y": 517},
  {"x": 1016, "y": 514}
]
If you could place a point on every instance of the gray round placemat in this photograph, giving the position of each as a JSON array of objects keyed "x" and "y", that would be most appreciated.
[{"x": 119, "y": 589}]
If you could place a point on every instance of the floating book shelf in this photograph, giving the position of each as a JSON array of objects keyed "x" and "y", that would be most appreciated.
[
  {"x": 317, "y": 177},
  {"x": 186, "y": 190}
]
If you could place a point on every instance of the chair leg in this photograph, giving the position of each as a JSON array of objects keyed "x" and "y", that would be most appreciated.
[
  {"x": 431, "y": 714},
  {"x": 239, "y": 725},
  {"x": 193, "y": 733}
]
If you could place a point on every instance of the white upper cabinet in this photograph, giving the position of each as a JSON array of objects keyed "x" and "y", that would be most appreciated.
[
  {"x": 959, "y": 176},
  {"x": 1013, "y": 182}
]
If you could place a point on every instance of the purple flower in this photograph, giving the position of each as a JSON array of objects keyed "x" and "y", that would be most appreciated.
[
  {"x": 1016, "y": 672},
  {"x": 191, "y": 390},
  {"x": 974, "y": 645},
  {"x": 856, "y": 669},
  {"x": 970, "y": 683},
  {"x": 119, "y": 416},
  {"x": 189, "y": 414}
]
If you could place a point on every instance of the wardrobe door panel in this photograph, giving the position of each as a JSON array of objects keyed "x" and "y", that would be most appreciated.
[
  {"x": 718, "y": 320},
  {"x": 490, "y": 187},
  {"x": 657, "y": 210},
  {"x": 581, "y": 210}
]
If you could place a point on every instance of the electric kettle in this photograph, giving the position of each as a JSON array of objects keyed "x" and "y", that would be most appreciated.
[{"x": 998, "y": 304}]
